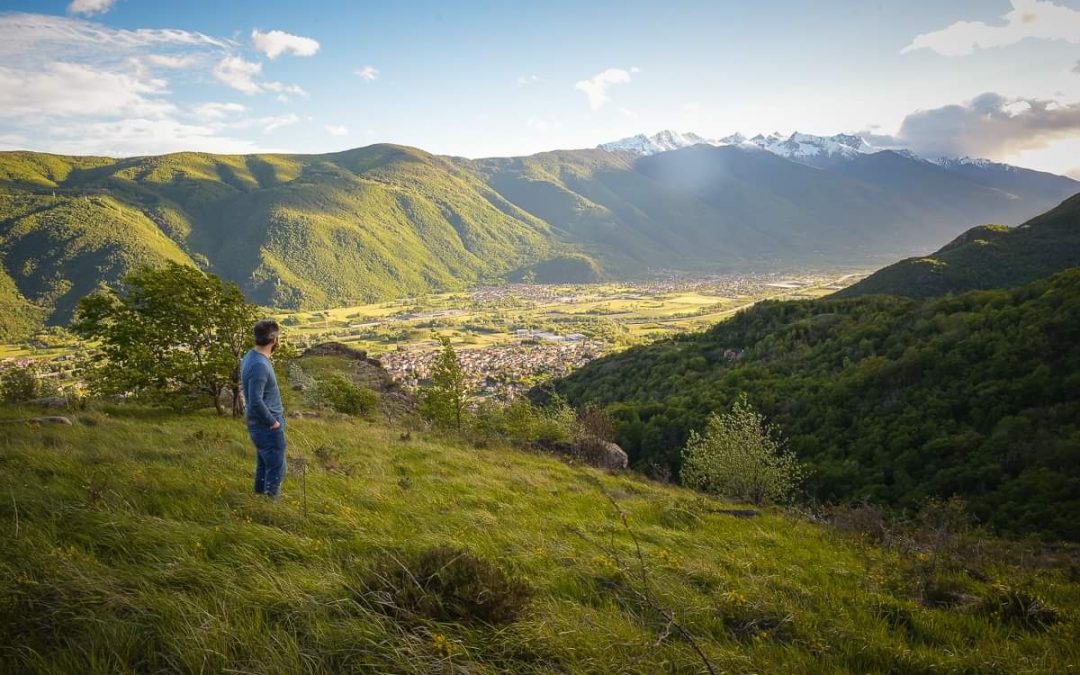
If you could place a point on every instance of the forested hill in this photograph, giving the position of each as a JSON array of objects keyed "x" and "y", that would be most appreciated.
[
  {"x": 312, "y": 231},
  {"x": 990, "y": 256},
  {"x": 886, "y": 398}
]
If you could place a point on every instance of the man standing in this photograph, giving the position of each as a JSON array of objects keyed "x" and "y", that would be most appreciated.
[{"x": 265, "y": 414}]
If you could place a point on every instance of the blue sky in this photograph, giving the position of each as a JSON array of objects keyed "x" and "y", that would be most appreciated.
[{"x": 506, "y": 78}]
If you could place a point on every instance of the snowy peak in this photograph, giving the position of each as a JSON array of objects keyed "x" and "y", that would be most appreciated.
[
  {"x": 798, "y": 146},
  {"x": 813, "y": 149},
  {"x": 816, "y": 151},
  {"x": 650, "y": 145},
  {"x": 953, "y": 162}
]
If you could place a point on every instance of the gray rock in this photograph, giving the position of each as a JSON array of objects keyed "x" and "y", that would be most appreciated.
[
  {"x": 603, "y": 454},
  {"x": 50, "y": 402}
]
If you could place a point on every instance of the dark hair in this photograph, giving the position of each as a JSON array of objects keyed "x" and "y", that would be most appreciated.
[{"x": 265, "y": 331}]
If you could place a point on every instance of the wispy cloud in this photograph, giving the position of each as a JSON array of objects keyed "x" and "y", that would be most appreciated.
[
  {"x": 368, "y": 73},
  {"x": 77, "y": 86},
  {"x": 596, "y": 87},
  {"x": 276, "y": 42},
  {"x": 1076, "y": 68},
  {"x": 336, "y": 129},
  {"x": 1041, "y": 19},
  {"x": 269, "y": 124},
  {"x": 217, "y": 111},
  {"x": 524, "y": 80},
  {"x": 88, "y": 7}
]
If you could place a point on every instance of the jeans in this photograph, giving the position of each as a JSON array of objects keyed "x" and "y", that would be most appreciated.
[{"x": 269, "y": 457}]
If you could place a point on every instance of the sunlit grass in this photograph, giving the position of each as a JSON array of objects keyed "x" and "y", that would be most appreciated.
[{"x": 132, "y": 543}]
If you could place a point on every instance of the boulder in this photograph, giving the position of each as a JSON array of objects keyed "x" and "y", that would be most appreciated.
[
  {"x": 50, "y": 402},
  {"x": 602, "y": 454}
]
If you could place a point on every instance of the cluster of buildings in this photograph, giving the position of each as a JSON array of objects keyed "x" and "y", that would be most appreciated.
[{"x": 501, "y": 371}]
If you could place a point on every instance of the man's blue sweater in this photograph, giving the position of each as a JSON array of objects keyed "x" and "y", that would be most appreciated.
[{"x": 260, "y": 389}]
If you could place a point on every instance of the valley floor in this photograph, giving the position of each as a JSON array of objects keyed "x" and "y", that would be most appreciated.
[{"x": 132, "y": 544}]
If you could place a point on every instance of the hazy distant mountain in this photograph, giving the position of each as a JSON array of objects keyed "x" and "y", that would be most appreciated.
[
  {"x": 308, "y": 231},
  {"x": 989, "y": 256}
]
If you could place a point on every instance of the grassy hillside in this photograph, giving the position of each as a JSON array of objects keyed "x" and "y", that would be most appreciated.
[
  {"x": 313, "y": 231},
  {"x": 132, "y": 544},
  {"x": 295, "y": 231},
  {"x": 886, "y": 398},
  {"x": 990, "y": 256}
]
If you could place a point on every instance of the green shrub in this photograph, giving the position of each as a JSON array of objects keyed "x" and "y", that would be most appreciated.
[
  {"x": 522, "y": 422},
  {"x": 346, "y": 397},
  {"x": 19, "y": 384},
  {"x": 740, "y": 456},
  {"x": 448, "y": 584}
]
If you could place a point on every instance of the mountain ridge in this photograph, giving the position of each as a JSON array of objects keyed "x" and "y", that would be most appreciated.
[{"x": 364, "y": 224}]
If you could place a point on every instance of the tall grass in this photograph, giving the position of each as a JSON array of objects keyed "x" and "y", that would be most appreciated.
[{"x": 132, "y": 544}]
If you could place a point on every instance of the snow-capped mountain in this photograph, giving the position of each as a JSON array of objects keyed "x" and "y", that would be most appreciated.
[
  {"x": 650, "y": 145},
  {"x": 808, "y": 148},
  {"x": 805, "y": 148},
  {"x": 953, "y": 162}
]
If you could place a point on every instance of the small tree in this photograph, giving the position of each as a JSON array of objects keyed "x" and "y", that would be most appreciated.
[
  {"x": 172, "y": 332},
  {"x": 444, "y": 400},
  {"x": 741, "y": 456}
]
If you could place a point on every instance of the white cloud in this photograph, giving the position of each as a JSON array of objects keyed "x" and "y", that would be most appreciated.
[
  {"x": 990, "y": 125},
  {"x": 1028, "y": 19},
  {"x": 285, "y": 92},
  {"x": 174, "y": 62},
  {"x": 692, "y": 107},
  {"x": 336, "y": 129},
  {"x": 368, "y": 73},
  {"x": 138, "y": 136},
  {"x": 75, "y": 86},
  {"x": 276, "y": 42},
  {"x": 217, "y": 111},
  {"x": 524, "y": 80},
  {"x": 269, "y": 124},
  {"x": 89, "y": 7},
  {"x": 72, "y": 89},
  {"x": 596, "y": 87},
  {"x": 239, "y": 74}
]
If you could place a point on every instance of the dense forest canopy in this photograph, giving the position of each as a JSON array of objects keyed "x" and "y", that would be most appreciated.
[{"x": 886, "y": 398}]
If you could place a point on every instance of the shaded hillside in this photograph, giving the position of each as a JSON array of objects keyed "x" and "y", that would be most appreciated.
[
  {"x": 989, "y": 256},
  {"x": 885, "y": 398}
]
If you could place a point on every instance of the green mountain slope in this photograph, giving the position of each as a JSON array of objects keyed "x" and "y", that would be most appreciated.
[
  {"x": 310, "y": 231},
  {"x": 294, "y": 231},
  {"x": 886, "y": 398},
  {"x": 132, "y": 544},
  {"x": 990, "y": 256}
]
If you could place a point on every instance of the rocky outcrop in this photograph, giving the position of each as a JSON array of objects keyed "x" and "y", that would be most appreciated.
[
  {"x": 603, "y": 454},
  {"x": 342, "y": 350},
  {"x": 594, "y": 452}
]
